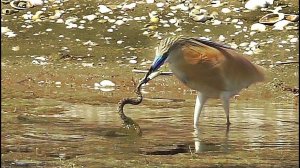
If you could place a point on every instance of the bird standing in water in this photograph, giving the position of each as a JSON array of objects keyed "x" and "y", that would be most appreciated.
[{"x": 214, "y": 70}]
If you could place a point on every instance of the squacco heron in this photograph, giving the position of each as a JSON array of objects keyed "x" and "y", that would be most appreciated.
[{"x": 214, "y": 70}]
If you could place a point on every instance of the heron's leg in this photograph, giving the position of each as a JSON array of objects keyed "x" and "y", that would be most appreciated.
[
  {"x": 200, "y": 100},
  {"x": 225, "y": 96}
]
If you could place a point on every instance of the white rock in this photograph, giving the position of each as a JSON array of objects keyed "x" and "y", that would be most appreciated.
[
  {"x": 182, "y": 7},
  {"x": 222, "y": 38},
  {"x": 60, "y": 21},
  {"x": 27, "y": 16},
  {"x": 49, "y": 30},
  {"x": 258, "y": 27},
  {"x": 36, "y": 2},
  {"x": 107, "y": 83},
  {"x": 294, "y": 40},
  {"x": 150, "y": 1},
  {"x": 252, "y": 33},
  {"x": 16, "y": 48},
  {"x": 120, "y": 41},
  {"x": 132, "y": 61},
  {"x": 256, "y": 4},
  {"x": 58, "y": 83},
  {"x": 84, "y": 64},
  {"x": 110, "y": 30},
  {"x": 5, "y": 30},
  {"x": 235, "y": 20},
  {"x": 40, "y": 58},
  {"x": 166, "y": 25},
  {"x": 226, "y": 10},
  {"x": 129, "y": 6},
  {"x": 160, "y": 5},
  {"x": 10, "y": 34},
  {"x": 173, "y": 21},
  {"x": 104, "y": 9},
  {"x": 90, "y": 17},
  {"x": 216, "y": 22},
  {"x": 281, "y": 24},
  {"x": 216, "y": 3},
  {"x": 207, "y": 30},
  {"x": 119, "y": 22}
]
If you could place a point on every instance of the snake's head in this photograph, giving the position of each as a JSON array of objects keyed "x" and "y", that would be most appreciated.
[{"x": 149, "y": 76}]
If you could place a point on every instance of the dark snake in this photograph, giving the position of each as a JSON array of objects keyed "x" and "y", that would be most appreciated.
[{"x": 129, "y": 123}]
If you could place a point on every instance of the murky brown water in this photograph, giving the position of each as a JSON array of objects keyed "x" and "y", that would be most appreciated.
[{"x": 52, "y": 116}]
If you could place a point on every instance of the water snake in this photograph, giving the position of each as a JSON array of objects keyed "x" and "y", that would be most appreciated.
[{"x": 128, "y": 123}]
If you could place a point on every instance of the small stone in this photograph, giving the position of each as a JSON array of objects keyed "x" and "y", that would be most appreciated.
[
  {"x": 226, "y": 10},
  {"x": 107, "y": 83},
  {"x": 222, "y": 38},
  {"x": 294, "y": 40},
  {"x": 150, "y": 1},
  {"x": 207, "y": 30},
  {"x": 281, "y": 24},
  {"x": 132, "y": 61},
  {"x": 120, "y": 41},
  {"x": 258, "y": 27},
  {"x": 160, "y": 5},
  {"x": 154, "y": 20},
  {"x": 104, "y": 9},
  {"x": 216, "y": 22},
  {"x": 16, "y": 48}
]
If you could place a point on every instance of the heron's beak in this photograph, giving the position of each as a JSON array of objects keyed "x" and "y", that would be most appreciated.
[
  {"x": 152, "y": 73},
  {"x": 146, "y": 77}
]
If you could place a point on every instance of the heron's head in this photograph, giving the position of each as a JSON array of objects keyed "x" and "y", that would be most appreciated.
[{"x": 162, "y": 53}]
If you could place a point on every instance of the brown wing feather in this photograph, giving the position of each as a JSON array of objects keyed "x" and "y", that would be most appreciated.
[{"x": 220, "y": 68}]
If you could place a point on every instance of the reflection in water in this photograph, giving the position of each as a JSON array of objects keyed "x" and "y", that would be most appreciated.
[
  {"x": 253, "y": 125},
  {"x": 204, "y": 147}
]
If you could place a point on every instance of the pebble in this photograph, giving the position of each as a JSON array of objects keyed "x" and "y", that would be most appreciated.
[
  {"x": 119, "y": 22},
  {"x": 87, "y": 64},
  {"x": 16, "y": 48},
  {"x": 120, "y": 41},
  {"x": 216, "y": 22},
  {"x": 256, "y": 4},
  {"x": 104, "y": 9},
  {"x": 207, "y": 30},
  {"x": 258, "y": 27},
  {"x": 281, "y": 24},
  {"x": 150, "y": 1},
  {"x": 226, "y": 10},
  {"x": 294, "y": 40},
  {"x": 160, "y": 5},
  {"x": 129, "y": 6},
  {"x": 154, "y": 19},
  {"x": 132, "y": 61},
  {"x": 107, "y": 83},
  {"x": 222, "y": 38},
  {"x": 90, "y": 17}
]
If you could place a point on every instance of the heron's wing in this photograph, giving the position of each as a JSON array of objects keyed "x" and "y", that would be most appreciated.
[
  {"x": 212, "y": 43},
  {"x": 199, "y": 53},
  {"x": 220, "y": 66}
]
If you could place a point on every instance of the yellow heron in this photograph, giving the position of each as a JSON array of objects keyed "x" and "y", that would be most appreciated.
[{"x": 214, "y": 70}]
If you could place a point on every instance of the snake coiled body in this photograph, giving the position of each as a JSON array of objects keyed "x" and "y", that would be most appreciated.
[{"x": 128, "y": 123}]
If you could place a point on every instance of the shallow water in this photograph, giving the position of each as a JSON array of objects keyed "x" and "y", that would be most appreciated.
[{"x": 83, "y": 132}]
